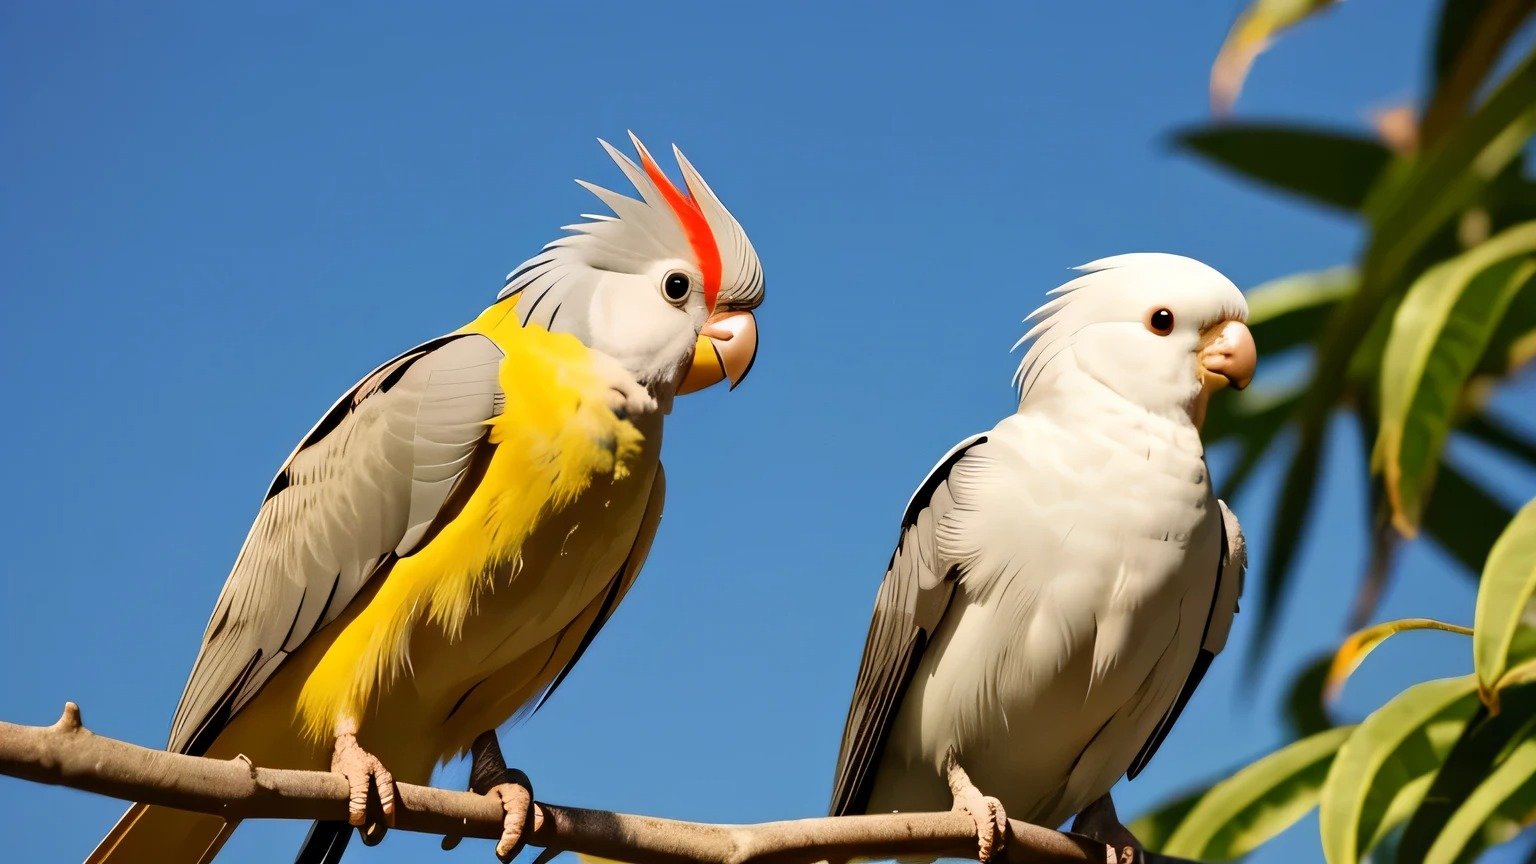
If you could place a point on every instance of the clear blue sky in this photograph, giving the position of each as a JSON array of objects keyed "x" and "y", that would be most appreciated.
[{"x": 213, "y": 221}]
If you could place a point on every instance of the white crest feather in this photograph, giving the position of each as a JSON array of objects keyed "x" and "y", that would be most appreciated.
[
  {"x": 640, "y": 231},
  {"x": 1051, "y": 333}
]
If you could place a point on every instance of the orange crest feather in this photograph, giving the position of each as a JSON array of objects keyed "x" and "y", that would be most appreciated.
[{"x": 695, "y": 227}]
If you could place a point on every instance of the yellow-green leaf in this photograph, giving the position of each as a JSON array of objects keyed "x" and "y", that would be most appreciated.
[
  {"x": 1254, "y": 30},
  {"x": 1515, "y": 775},
  {"x": 1258, "y": 802},
  {"x": 1305, "y": 711},
  {"x": 1509, "y": 580},
  {"x": 1438, "y": 334},
  {"x": 1388, "y": 751},
  {"x": 1362, "y": 642},
  {"x": 1464, "y": 519},
  {"x": 1417, "y": 197},
  {"x": 1290, "y": 311},
  {"x": 1523, "y": 673},
  {"x": 1485, "y": 741},
  {"x": 1154, "y": 827}
]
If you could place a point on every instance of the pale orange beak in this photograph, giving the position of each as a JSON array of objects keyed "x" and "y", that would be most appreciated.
[
  {"x": 1227, "y": 356},
  {"x": 726, "y": 348}
]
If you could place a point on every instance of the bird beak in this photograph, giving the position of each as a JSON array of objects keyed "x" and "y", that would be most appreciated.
[
  {"x": 1227, "y": 356},
  {"x": 726, "y": 348}
]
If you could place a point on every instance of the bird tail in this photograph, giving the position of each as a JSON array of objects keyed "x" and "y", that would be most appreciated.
[
  {"x": 162, "y": 835},
  {"x": 326, "y": 843}
]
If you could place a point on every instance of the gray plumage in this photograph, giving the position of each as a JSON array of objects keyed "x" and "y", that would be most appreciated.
[{"x": 363, "y": 487}]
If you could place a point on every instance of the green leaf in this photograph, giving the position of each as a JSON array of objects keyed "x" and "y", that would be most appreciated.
[
  {"x": 1326, "y": 167},
  {"x": 1305, "y": 712},
  {"x": 1253, "y": 418},
  {"x": 1494, "y": 433},
  {"x": 1296, "y": 492},
  {"x": 1155, "y": 827},
  {"x": 1361, "y": 643},
  {"x": 1456, "y": 19},
  {"x": 1235, "y": 414},
  {"x": 1441, "y": 329},
  {"x": 1514, "y": 776},
  {"x": 1388, "y": 751},
  {"x": 1463, "y": 519},
  {"x": 1485, "y": 740},
  {"x": 1404, "y": 781},
  {"x": 1415, "y": 202},
  {"x": 1258, "y": 802},
  {"x": 1282, "y": 314},
  {"x": 1470, "y": 39},
  {"x": 1509, "y": 580},
  {"x": 1513, "y": 343},
  {"x": 1290, "y": 311},
  {"x": 1412, "y": 203}
]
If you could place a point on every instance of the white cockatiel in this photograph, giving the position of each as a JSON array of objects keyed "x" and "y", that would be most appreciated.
[{"x": 1062, "y": 581}]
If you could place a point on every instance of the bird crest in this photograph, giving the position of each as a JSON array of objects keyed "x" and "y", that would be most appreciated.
[{"x": 664, "y": 222}]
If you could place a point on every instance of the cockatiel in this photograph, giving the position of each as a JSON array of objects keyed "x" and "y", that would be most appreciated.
[
  {"x": 1062, "y": 581},
  {"x": 443, "y": 545}
]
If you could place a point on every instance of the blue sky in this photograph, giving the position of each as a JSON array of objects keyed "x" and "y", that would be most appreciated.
[{"x": 214, "y": 220}]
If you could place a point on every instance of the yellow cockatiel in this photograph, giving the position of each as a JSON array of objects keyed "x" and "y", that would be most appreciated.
[{"x": 441, "y": 547}]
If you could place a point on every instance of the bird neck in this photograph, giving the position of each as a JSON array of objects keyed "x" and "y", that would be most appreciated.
[
  {"x": 1077, "y": 401},
  {"x": 500, "y": 322}
]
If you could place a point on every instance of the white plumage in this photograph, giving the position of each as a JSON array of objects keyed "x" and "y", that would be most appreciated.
[{"x": 1063, "y": 578}]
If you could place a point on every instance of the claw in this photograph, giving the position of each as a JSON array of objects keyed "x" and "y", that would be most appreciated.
[
  {"x": 991, "y": 821},
  {"x": 360, "y": 768},
  {"x": 489, "y": 775},
  {"x": 1099, "y": 822},
  {"x": 517, "y": 807},
  {"x": 987, "y": 812}
]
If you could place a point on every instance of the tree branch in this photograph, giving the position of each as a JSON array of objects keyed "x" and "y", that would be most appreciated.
[{"x": 68, "y": 754}]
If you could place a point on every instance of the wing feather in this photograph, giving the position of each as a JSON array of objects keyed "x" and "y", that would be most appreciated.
[
  {"x": 364, "y": 488},
  {"x": 908, "y": 608},
  {"x": 1218, "y": 623}
]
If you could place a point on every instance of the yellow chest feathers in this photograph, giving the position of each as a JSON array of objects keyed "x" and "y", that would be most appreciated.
[{"x": 555, "y": 434}]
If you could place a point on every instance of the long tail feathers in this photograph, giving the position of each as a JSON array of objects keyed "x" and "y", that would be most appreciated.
[
  {"x": 325, "y": 843},
  {"x": 162, "y": 835}
]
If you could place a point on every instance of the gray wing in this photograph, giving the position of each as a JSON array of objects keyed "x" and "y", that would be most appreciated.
[
  {"x": 365, "y": 487},
  {"x": 1218, "y": 624},
  {"x": 911, "y": 603}
]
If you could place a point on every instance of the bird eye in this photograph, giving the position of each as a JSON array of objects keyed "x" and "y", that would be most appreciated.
[
  {"x": 1160, "y": 321},
  {"x": 676, "y": 287}
]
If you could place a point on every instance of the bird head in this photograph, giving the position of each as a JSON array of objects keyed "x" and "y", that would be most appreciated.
[
  {"x": 1162, "y": 331},
  {"x": 666, "y": 285}
]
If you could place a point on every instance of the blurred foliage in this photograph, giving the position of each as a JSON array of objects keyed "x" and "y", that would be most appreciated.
[
  {"x": 1412, "y": 338},
  {"x": 1442, "y": 771},
  {"x": 1408, "y": 342}
]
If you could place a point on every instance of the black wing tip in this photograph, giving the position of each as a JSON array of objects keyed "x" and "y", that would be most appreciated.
[
  {"x": 1164, "y": 726},
  {"x": 325, "y": 844}
]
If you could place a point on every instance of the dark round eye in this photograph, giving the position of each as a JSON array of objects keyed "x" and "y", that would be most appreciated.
[
  {"x": 676, "y": 287},
  {"x": 1160, "y": 321}
]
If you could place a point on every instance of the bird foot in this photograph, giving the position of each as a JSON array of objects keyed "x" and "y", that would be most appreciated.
[
  {"x": 1099, "y": 822},
  {"x": 984, "y": 810},
  {"x": 490, "y": 776},
  {"x": 360, "y": 768},
  {"x": 517, "y": 809},
  {"x": 991, "y": 821}
]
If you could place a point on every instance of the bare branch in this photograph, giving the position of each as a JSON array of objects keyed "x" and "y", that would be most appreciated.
[{"x": 68, "y": 754}]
